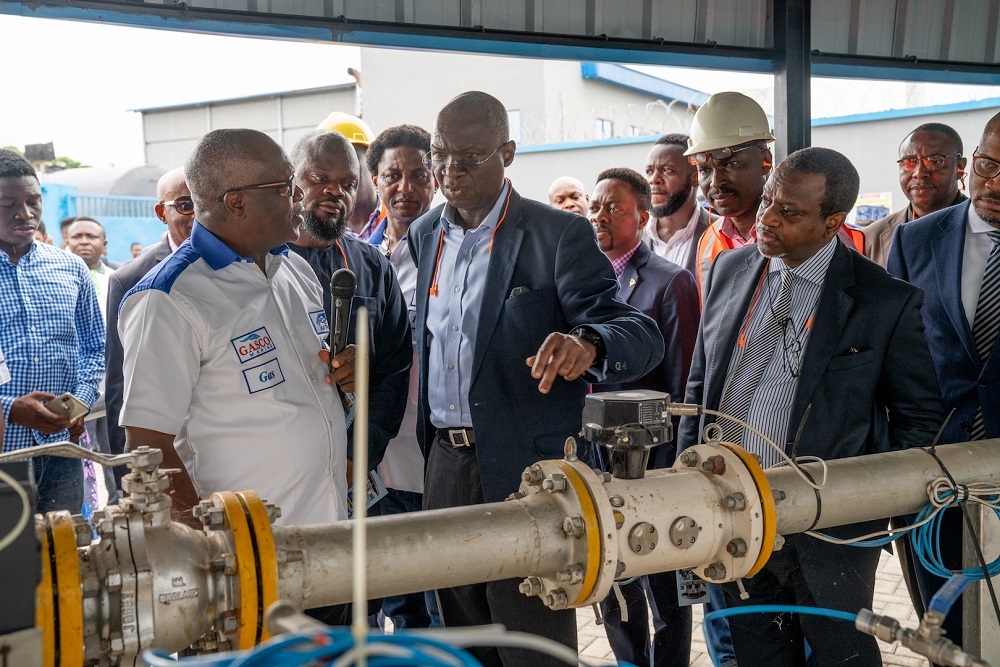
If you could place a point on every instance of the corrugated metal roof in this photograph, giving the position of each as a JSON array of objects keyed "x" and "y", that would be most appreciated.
[{"x": 931, "y": 40}]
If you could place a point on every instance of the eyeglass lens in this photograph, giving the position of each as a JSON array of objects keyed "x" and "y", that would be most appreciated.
[
  {"x": 930, "y": 162},
  {"x": 985, "y": 167}
]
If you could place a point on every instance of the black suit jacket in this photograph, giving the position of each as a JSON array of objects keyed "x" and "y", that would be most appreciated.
[
  {"x": 390, "y": 351},
  {"x": 866, "y": 370},
  {"x": 669, "y": 295},
  {"x": 554, "y": 256},
  {"x": 120, "y": 282}
]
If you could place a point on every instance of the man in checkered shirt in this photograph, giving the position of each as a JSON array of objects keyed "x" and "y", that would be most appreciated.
[{"x": 51, "y": 333}]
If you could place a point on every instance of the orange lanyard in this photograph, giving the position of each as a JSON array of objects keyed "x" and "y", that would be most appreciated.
[
  {"x": 343, "y": 255},
  {"x": 437, "y": 258}
]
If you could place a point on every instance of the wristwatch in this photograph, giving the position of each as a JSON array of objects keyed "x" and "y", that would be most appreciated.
[{"x": 592, "y": 337}]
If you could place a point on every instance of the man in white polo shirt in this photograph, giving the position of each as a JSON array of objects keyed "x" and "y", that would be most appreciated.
[{"x": 221, "y": 366}]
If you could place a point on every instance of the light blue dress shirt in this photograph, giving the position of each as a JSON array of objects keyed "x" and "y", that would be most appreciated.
[{"x": 453, "y": 315}]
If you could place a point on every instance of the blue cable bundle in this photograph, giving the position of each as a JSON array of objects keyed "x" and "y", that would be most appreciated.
[
  {"x": 927, "y": 541},
  {"x": 324, "y": 648}
]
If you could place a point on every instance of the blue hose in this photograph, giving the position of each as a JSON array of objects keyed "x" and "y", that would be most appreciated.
[{"x": 774, "y": 609}]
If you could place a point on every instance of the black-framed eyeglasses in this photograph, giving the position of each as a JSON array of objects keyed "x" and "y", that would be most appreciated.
[
  {"x": 285, "y": 188},
  {"x": 934, "y": 162},
  {"x": 720, "y": 154},
  {"x": 184, "y": 205},
  {"x": 434, "y": 160},
  {"x": 985, "y": 167},
  {"x": 791, "y": 346}
]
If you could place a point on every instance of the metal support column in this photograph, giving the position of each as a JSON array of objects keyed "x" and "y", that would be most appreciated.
[{"x": 792, "y": 108}]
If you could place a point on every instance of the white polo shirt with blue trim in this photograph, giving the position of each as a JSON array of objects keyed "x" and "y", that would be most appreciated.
[{"x": 225, "y": 357}]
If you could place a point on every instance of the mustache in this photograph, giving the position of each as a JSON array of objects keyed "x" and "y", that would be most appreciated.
[{"x": 720, "y": 191}]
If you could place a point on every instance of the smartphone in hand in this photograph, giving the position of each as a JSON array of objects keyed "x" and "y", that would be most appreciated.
[{"x": 68, "y": 404}]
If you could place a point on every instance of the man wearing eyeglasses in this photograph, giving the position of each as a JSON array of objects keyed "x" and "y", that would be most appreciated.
[
  {"x": 619, "y": 210},
  {"x": 175, "y": 209},
  {"x": 954, "y": 256},
  {"x": 931, "y": 168},
  {"x": 222, "y": 371},
  {"x": 516, "y": 312},
  {"x": 823, "y": 353},
  {"x": 728, "y": 149}
]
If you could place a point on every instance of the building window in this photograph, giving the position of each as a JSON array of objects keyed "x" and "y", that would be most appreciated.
[
  {"x": 605, "y": 128},
  {"x": 514, "y": 120}
]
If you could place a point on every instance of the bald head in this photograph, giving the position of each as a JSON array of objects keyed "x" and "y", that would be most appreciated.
[
  {"x": 566, "y": 193},
  {"x": 230, "y": 158},
  {"x": 325, "y": 143},
  {"x": 169, "y": 183},
  {"x": 478, "y": 108}
]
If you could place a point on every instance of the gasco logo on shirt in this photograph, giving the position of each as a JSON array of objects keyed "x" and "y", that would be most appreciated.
[
  {"x": 321, "y": 325},
  {"x": 252, "y": 345},
  {"x": 263, "y": 377}
]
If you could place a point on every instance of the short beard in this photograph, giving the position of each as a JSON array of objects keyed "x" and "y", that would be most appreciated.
[
  {"x": 322, "y": 230},
  {"x": 988, "y": 217},
  {"x": 673, "y": 204}
]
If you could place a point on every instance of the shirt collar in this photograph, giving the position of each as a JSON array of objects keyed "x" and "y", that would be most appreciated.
[
  {"x": 215, "y": 252},
  {"x": 491, "y": 219},
  {"x": 729, "y": 230},
  {"x": 814, "y": 268},
  {"x": 619, "y": 264},
  {"x": 977, "y": 225}
]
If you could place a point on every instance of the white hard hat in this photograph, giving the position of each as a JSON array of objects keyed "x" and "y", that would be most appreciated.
[{"x": 727, "y": 119}]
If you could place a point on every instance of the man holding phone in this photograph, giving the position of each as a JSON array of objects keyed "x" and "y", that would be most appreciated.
[{"x": 51, "y": 333}]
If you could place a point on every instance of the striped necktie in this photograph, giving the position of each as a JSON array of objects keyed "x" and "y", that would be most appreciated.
[
  {"x": 755, "y": 358},
  {"x": 986, "y": 324}
]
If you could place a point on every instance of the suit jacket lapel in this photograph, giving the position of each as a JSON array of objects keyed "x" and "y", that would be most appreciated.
[
  {"x": 630, "y": 276},
  {"x": 740, "y": 292},
  {"x": 426, "y": 256},
  {"x": 503, "y": 259},
  {"x": 832, "y": 310},
  {"x": 948, "y": 250},
  {"x": 161, "y": 250}
]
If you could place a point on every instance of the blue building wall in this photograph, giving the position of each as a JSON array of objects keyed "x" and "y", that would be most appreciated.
[{"x": 126, "y": 220}]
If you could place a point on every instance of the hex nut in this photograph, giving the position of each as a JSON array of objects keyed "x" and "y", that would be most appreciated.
[
  {"x": 531, "y": 586},
  {"x": 557, "y": 599},
  {"x": 689, "y": 458},
  {"x": 737, "y": 547},
  {"x": 574, "y": 526},
  {"x": 532, "y": 476},
  {"x": 556, "y": 483}
]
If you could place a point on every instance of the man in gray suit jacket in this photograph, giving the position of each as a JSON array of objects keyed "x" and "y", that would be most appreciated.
[
  {"x": 931, "y": 167},
  {"x": 176, "y": 210},
  {"x": 802, "y": 334}
]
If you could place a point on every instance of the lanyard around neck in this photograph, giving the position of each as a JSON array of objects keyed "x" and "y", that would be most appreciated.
[{"x": 440, "y": 249}]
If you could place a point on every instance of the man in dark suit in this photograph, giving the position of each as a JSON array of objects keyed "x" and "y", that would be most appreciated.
[
  {"x": 176, "y": 210},
  {"x": 619, "y": 211},
  {"x": 516, "y": 310},
  {"x": 678, "y": 221},
  {"x": 802, "y": 323},
  {"x": 949, "y": 254}
]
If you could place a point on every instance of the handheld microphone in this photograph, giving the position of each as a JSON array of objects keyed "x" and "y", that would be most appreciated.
[{"x": 343, "y": 285}]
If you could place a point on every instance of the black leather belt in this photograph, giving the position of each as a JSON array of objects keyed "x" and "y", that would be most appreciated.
[{"x": 457, "y": 437}]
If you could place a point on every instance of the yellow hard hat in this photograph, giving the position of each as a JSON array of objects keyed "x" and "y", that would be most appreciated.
[
  {"x": 352, "y": 127},
  {"x": 727, "y": 119}
]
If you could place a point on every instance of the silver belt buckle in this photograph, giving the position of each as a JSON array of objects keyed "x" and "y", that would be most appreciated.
[{"x": 462, "y": 435}]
